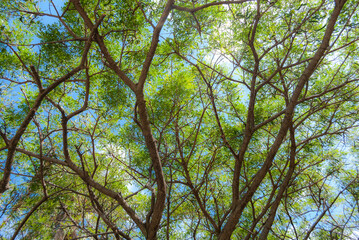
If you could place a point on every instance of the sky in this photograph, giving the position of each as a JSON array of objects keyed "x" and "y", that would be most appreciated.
[{"x": 48, "y": 8}]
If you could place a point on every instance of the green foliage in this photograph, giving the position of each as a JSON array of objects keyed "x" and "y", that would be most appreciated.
[{"x": 216, "y": 93}]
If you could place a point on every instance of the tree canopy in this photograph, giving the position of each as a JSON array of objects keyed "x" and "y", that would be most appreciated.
[{"x": 179, "y": 119}]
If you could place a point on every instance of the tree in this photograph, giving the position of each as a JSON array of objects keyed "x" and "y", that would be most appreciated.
[{"x": 173, "y": 119}]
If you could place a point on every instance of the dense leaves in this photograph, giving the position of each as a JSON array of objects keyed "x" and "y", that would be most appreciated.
[{"x": 174, "y": 119}]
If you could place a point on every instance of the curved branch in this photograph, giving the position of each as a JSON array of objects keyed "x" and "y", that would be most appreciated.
[
  {"x": 154, "y": 44},
  {"x": 193, "y": 10},
  {"x": 239, "y": 206},
  {"x": 28, "y": 215}
]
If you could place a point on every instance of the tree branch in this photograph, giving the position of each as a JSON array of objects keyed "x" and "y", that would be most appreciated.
[{"x": 193, "y": 10}]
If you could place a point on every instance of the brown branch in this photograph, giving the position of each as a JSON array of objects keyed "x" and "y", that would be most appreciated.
[
  {"x": 48, "y": 159},
  {"x": 191, "y": 185},
  {"x": 14, "y": 141},
  {"x": 91, "y": 182},
  {"x": 4, "y": 183},
  {"x": 100, "y": 41},
  {"x": 193, "y": 10},
  {"x": 269, "y": 222},
  {"x": 87, "y": 93},
  {"x": 248, "y": 131},
  {"x": 240, "y": 205},
  {"x": 102, "y": 214},
  {"x": 326, "y": 210},
  {"x": 36, "y": 77},
  {"x": 154, "y": 43},
  {"x": 28, "y": 215}
]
